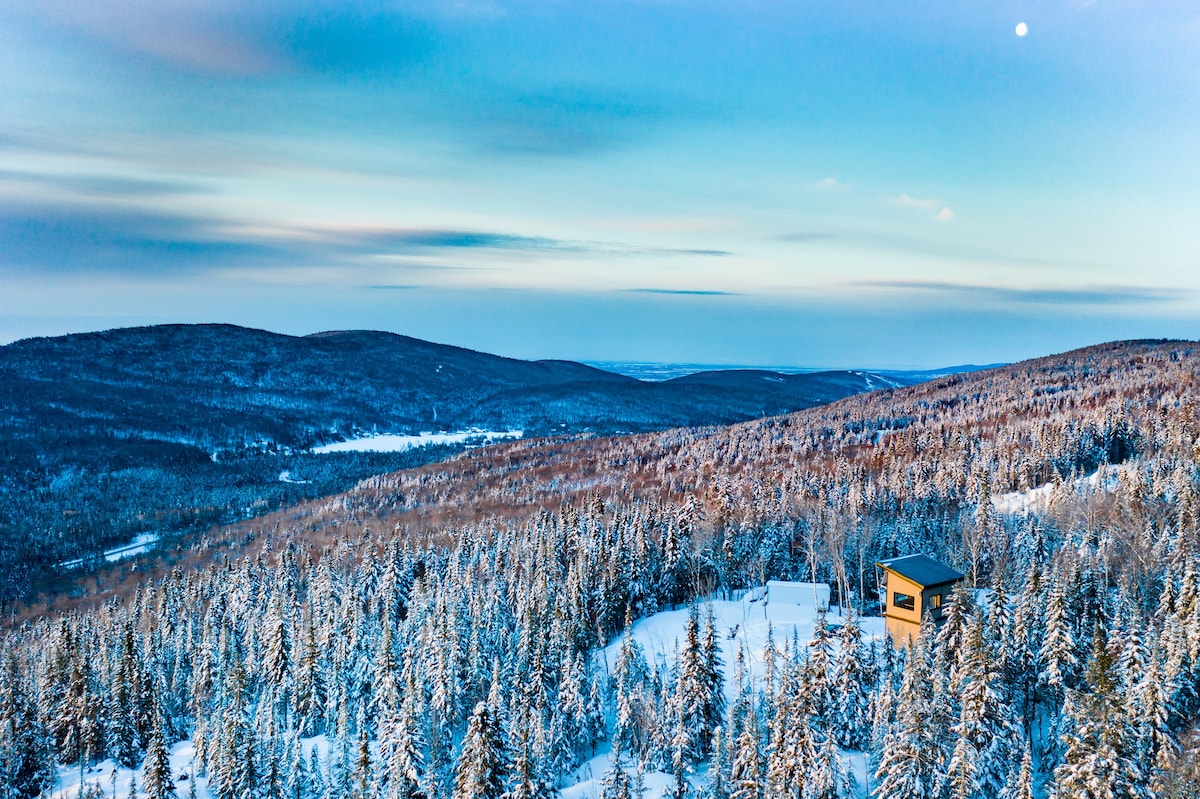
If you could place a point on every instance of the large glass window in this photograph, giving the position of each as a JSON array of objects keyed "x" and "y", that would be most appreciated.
[{"x": 904, "y": 601}]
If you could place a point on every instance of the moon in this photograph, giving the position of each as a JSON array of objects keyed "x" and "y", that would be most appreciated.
[{"x": 1022, "y": 29}]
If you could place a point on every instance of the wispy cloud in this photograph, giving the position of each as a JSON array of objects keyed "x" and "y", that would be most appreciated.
[
  {"x": 209, "y": 36},
  {"x": 826, "y": 184},
  {"x": 945, "y": 214},
  {"x": 806, "y": 237},
  {"x": 1104, "y": 295},
  {"x": 94, "y": 185},
  {"x": 425, "y": 240},
  {"x": 565, "y": 121},
  {"x": 685, "y": 292},
  {"x": 434, "y": 239},
  {"x": 82, "y": 238},
  {"x": 58, "y": 238},
  {"x": 226, "y": 38}
]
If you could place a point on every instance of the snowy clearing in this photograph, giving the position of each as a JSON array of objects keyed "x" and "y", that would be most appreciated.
[
  {"x": 787, "y": 609},
  {"x": 590, "y": 779},
  {"x": 1038, "y": 500},
  {"x": 397, "y": 443},
  {"x": 114, "y": 781},
  {"x": 137, "y": 546}
]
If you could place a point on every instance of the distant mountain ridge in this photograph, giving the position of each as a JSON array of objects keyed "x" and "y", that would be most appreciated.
[
  {"x": 104, "y": 436},
  {"x": 653, "y": 371}
]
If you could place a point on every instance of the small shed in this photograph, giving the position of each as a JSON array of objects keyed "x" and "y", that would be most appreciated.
[
  {"x": 913, "y": 585},
  {"x": 806, "y": 595}
]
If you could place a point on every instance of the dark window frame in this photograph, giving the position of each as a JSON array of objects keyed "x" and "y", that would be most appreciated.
[{"x": 904, "y": 601}]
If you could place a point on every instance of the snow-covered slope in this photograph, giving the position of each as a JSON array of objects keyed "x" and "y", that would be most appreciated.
[
  {"x": 1040, "y": 499},
  {"x": 787, "y": 610}
]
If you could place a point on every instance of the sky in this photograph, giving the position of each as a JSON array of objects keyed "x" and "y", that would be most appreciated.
[{"x": 871, "y": 184}]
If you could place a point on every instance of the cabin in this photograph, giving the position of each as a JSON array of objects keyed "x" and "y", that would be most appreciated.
[{"x": 912, "y": 586}]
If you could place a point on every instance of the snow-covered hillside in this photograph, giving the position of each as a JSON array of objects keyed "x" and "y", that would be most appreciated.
[{"x": 783, "y": 611}]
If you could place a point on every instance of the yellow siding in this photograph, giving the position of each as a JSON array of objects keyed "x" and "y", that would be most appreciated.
[{"x": 897, "y": 584}]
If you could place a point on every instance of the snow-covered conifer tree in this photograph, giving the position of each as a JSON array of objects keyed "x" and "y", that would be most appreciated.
[
  {"x": 912, "y": 761},
  {"x": 482, "y": 770},
  {"x": 746, "y": 767},
  {"x": 851, "y": 686}
]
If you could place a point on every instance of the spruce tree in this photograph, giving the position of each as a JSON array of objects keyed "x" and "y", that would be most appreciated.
[
  {"x": 1097, "y": 761},
  {"x": 615, "y": 784},
  {"x": 746, "y": 768},
  {"x": 825, "y": 778},
  {"x": 851, "y": 686},
  {"x": 26, "y": 754},
  {"x": 912, "y": 760},
  {"x": 156, "y": 771},
  {"x": 1020, "y": 781},
  {"x": 124, "y": 744},
  {"x": 1057, "y": 659},
  {"x": 482, "y": 769},
  {"x": 526, "y": 780},
  {"x": 986, "y": 731},
  {"x": 718, "y": 770},
  {"x": 712, "y": 682}
]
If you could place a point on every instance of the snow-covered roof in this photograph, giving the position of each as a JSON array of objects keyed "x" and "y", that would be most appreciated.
[
  {"x": 810, "y": 595},
  {"x": 922, "y": 570}
]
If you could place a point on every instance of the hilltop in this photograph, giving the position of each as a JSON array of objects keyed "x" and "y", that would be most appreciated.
[{"x": 936, "y": 446}]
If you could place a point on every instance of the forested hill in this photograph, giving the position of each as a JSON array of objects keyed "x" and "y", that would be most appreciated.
[
  {"x": 157, "y": 430},
  {"x": 220, "y": 387},
  {"x": 470, "y": 628},
  {"x": 939, "y": 445}
]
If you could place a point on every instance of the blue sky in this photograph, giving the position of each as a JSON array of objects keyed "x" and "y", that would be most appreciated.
[{"x": 824, "y": 184}]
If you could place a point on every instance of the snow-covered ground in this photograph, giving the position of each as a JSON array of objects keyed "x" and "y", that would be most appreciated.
[
  {"x": 786, "y": 609},
  {"x": 286, "y": 477},
  {"x": 394, "y": 443},
  {"x": 114, "y": 780},
  {"x": 137, "y": 546},
  {"x": 1039, "y": 500}
]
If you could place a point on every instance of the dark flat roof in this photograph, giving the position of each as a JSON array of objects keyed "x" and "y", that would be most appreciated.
[{"x": 922, "y": 570}]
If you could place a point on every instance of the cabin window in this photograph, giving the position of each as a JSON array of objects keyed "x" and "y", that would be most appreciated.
[
  {"x": 935, "y": 601},
  {"x": 904, "y": 601}
]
